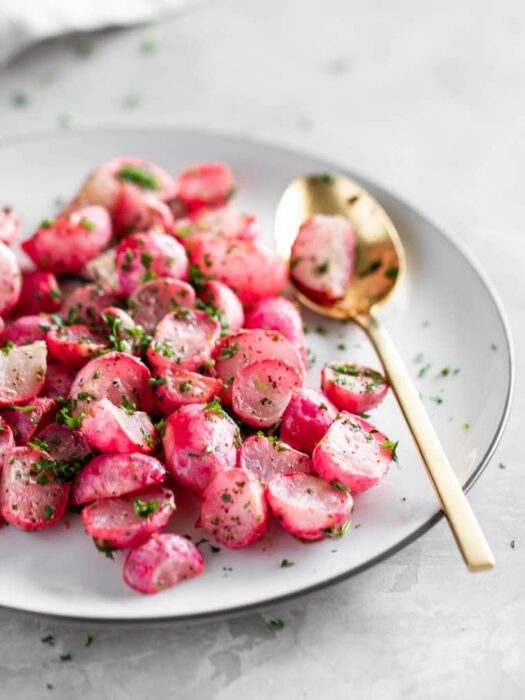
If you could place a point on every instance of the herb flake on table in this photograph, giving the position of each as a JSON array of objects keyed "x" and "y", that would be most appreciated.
[
  {"x": 19, "y": 99},
  {"x": 286, "y": 563},
  {"x": 277, "y": 624}
]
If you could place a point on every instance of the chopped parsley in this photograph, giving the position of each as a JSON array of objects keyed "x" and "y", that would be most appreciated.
[
  {"x": 277, "y": 624},
  {"x": 287, "y": 563},
  {"x": 21, "y": 409},
  {"x": 229, "y": 351},
  {"x": 128, "y": 406},
  {"x": 323, "y": 268},
  {"x": 143, "y": 509},
  {"x": 138, "y": 176},
  {"x": 157, "y": 381},
  {"x": 323, "y": 178},
  {"x": 341, "y": 487},
  {"x": 338, "y": 531}
]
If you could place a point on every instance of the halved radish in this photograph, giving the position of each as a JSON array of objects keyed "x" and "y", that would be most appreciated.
[
  {"x": 218, "y": 300},
  {"x": 199, "y": 441},
  {"x": 253, "y": 271},
  {"x": 352, "y": 387},
  {"x": 279, "y": 314},
  {"x": 85, "y": 304},
  {"x": 111, "y": 475},
  {"x": 146, "y": 256},
  {"x": 59, "y": 380},
  {"x": 306, "y": 419},
  {"x": 161, "y": 562},
  {"x": 28, "y": 329},
  {"x": 7, "y": 442},
  {"x": 40, "y": 293},
  {"x": 116, "y": 376},
  {"x": 31, "y": 496},
  {"x": 183, "y": 339},
  {"x": 128, "y": 521},
  {"x": 178, "y": 387},
  {"x": 108, "y": 428},
  {"x": 22, "y": 372},
  {"x": 10, "y": 279},
  {"x": 27, "y": 418},
  {"x": 10, "y": 224},
  {"x": 322, "y": 257},
  {"x": 237, "y": 350},
  {"x": 234, "y": 508},
  {"x": 262, "y": 390},
  {"x": 353, "y": 453},
  {"x": 309, "y": 507},
  {"x": 151, "y": 301},
  {"x": 206, "y": 184},
  {"x": 221, "y": 221},
  {"x": 65, "y": 446},
  {"x": 74, "y": 345},
  {"x": 67, "y": 243},
  {"x": 265, "y": 457}
]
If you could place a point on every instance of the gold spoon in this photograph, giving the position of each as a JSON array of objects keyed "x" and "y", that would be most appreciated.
[{"x": 380, "y": 264}]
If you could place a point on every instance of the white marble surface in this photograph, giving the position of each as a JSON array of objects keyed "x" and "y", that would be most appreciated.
[{"x": 428, "y": 99}]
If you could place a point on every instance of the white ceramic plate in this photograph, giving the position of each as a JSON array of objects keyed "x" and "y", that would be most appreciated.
[{"x": 445, "y": 310}]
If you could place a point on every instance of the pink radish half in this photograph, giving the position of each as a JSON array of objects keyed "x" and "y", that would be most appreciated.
[
  {"x": 353, "y": 453},
  {"x": 161, "y": 562},
  {"x": 262, "y": 390},
  {"x": 307, "y": 506},
  {"x": 352, "y": 387},
  {"x": 234, "y": 508}
]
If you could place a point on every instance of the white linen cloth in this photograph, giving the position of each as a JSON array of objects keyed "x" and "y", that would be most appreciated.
[{"x": 26, "y": 22}]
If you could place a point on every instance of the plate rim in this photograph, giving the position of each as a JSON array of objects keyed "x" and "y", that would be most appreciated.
[{"x": 39, "y": 135}]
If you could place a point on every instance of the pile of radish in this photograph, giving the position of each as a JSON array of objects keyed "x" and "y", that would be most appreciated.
[{"x": 175, "y": 362}]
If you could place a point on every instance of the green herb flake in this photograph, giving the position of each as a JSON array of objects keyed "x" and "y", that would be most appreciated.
[
  {"x": 87, "y": 224},
  {"x": 66, "y": 657},
  {"x": 138, "y": 176},
  {"x": 48, "y": 512},
  {"x": 323, "y": 178},
  {"x": 392, "y": 272},
  {"x": 143, "y": 509},
  {"x": 513, "y": 544},
  {"x": 502, "y": 466},
  {"x": 277, "y": 624},
  {"x": 338, "y": 531},
  {"x": 157, "y": 381},
  {"x": 229, "y": 351},
  {"x": 339, "y": 486},
  {"x": 88, "y": 641},
  {"x": 226, "y": 498},
  {"x": 22, "y": 409},
  {"x": 214, "y": 406},
  {"x": 285, "y": 563},
  {"x": 19, "y": 99},
  {"x": 128, "y": 406},
  {"x": 49, "y": 639},
  {"x": 323, "y": 268}
]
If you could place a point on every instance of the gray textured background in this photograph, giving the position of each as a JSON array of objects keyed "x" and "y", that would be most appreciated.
[{"x": 427, "y": 98}]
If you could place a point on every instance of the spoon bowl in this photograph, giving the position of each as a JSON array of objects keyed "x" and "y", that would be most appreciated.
[
  {"x": 380, "y": 260},
  {"x": 379, "y": 264}
]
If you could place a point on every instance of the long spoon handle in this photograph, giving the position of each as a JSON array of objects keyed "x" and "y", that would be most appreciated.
[{"x": 467, "y": 532}]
